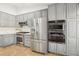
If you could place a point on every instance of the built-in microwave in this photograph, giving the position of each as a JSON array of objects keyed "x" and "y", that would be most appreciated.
[{"x": 57, "y": 24}]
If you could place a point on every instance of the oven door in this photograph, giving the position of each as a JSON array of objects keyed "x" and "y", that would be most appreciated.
[{"x": 57, "y": 38}]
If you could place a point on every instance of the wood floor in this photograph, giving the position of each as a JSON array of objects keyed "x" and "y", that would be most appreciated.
[{"x": 20, "y": 50}]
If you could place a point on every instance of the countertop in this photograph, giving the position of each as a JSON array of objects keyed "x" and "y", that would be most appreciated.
[{"x": 7, "y": 30}]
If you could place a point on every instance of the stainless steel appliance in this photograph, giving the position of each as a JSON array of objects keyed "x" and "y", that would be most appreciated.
[
  {"x": 20, "y": 37},
  {"x": 56, "y": 31}
]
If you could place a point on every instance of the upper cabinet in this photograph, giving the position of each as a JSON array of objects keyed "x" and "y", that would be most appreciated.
[
  {"x": 52, "y": 12},
  {"x": 78, "y": 11},
  {"x": 71, "y": 10},
  {"x": 44, "y": 13},
  {"x": 17, "y": 20},
  {"x": 12, "y": 22},
  {"x": 37, "y": 14},
  {"x": 61, "y": 11},
  {"x": 30, "y": 19},
  {"x": 21, "y": 18},
  {"x": 57, "y": 11},
  {"x": 7, "y": 20}
]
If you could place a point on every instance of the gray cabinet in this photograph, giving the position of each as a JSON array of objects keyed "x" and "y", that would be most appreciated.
[
  {"x": 71, "y": 37},
  {"x": 37, "y": 14},
  {"x": 71, "y": 47},
  {"x": 39, "y": 46},
  {"x": 1, "y": 41},
  {"x": 25, "y": 17},
  {"x": 43, "y": 46},
  {"x": 61, "y": 11},
  {"x": 35, "y": 45},
  {"x": 4, "y": 19},
  {"x": 78, "y": 37},
  {"x": 77, "y": 11},
  {"x": 58, "y": 48},
  {"x": 52, "y": 12},
  {"x": 7, "y": 20},
  {"x": 17, "y": 20},
  {"x": 12, "y": 22},
  {"x": 57, "y": 11},
  {"x": 27, "y": 40},
  {"x": 61, "y": 48},
  {"x": 71, "y": 10},
  {"x": 52, "y": 47},
  {"x": 44, "y": 13},
  {"x": 8, "y": 39},
  {"x": 21, "y": 18},
  {"x": 30, "y": 20}
]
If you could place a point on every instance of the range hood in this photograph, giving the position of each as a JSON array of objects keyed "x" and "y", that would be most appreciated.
[{"x": 23, "y": 23}]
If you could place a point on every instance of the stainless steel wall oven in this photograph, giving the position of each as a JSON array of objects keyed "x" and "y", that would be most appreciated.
[{"x": 56, "y": 31}]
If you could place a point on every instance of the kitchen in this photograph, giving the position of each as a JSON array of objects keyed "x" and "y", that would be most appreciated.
[{"x": 51, "y": 29}]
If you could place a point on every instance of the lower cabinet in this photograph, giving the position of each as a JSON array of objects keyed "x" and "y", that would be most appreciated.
[
  {"x": 43, "y": 46},
  {"x": 1, "y": 41},
  {"x": 52, "y": 47},
  {"x": 61, "y": 48},
  {"x": 71, "y": 46},
  {"x": 27, "y": 41},
  {"x": 35, "y": 45},
  {"x": 58, "y": 48},
  {"x": 39, "y": 46},
  {"x": 7, "y": 39}
]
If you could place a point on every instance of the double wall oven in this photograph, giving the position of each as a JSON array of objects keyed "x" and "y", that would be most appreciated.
[{"x": 56, "y": 31}]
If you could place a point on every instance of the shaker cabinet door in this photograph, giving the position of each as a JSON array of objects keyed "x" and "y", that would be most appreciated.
[
  {"x": 71, "y": 10},
  {"x": 36, "y": 45},
  {"x": 27, "y": 41},
  {"x": 61, "y": 11},
  {"x": 78, "y": 38},
  {"x": 71, "y": 36},
  {"x": 61, "y": 48},
  {"x": 17, "y": 21},
  {"x": 43, "y": 46},
  {"x": 1, "y": 41},
  {"x": 78, "y": 11},
  {"x": 52, "y": 47},
  {"x": 4, "y": 19},
  {"x": 9, "y": 39},
  {"x": 71, "y": 27},
  {"x": 52, "y": 12},
  {"x": 12, "y": 21},
  {"x": 44, "y": 12},
  {"x": 71, "y": 47}
]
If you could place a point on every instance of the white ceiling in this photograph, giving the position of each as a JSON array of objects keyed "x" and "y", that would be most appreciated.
[{"x": 20, "y": 8}]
